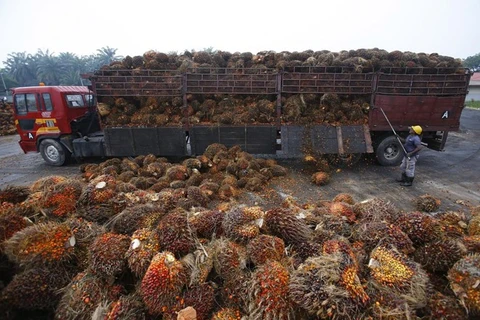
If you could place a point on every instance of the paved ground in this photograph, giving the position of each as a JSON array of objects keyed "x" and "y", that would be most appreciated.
[{"x": 452, "y": 176}]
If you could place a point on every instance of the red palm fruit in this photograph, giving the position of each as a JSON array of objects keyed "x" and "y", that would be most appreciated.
[
  {"x": 464, "y": 279},
  {"x": 177, "y": 172},
  {"x": 46, "y": 183},
  {"x": 10, "y": 223},
  {"x": 99, "y": 213},
  {"x": 420, "y": 227},
  {"x": 83, "y": 295},
  {"x": 374, "y": 233},
  {"x": 207, "y": 223},
  {"x": 376, "y": 210},
  {"x": 395, "y": 272},
  {"x": 426, "y": 203},
  {"x": 227, "y": 314},
  {"x": 107, "y": 254},
  {"x": 227, "y": 192},
  {"x": 42, "y": 244},
  {"x": 201, "y": 298},
  {"x": 99, "y": 190},
  {"x": 264, "y": 248},
  {"x": 31, "y": 206},
  {"x": 268, "y": 295},
  {"x": 230, "y": 258},
  {"x": 439, "y": 256},
  {"x": 472, "y": 243},
  {"x": 284, "y": 223},
  {"x": 213, "y": 149},
  {"x": 163, "y": 283},
  {"x": 36, "y": 288},
  {"x": 175, "y": 234},
  {"x": 196, "y": 194},
  {"x": 132, "y": 218},
  {"x": 474, "y": 225},
  {"x": 444, "y": 307},
  {"x": 14, "y": 194},
  {"x": 319, "y": 286},
  {"x": 61, "y": 200},
  {"x": 126, "y": 307},
  {"x": 242, "y": 223},
  {"x": 144, "y": 245},
  {"x": 320, "y": 178},
  {"x": 344, "y": 210},
  {"x": 453, "y": 224},
  {"x": 344, "y": 197}
]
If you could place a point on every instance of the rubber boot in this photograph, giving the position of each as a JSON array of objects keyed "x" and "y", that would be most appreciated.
[
  {"x": 408, "y": 182},
  {"x": 402, "y": 178}
]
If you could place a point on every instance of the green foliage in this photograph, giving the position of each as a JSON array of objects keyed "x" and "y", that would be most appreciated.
[
  {"x": 473, "y": 104},
  {"x": 472, "y": 62},
  {"x": 22, "y": 69}
]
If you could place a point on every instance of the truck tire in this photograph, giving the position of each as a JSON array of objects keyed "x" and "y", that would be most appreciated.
[
  {"x": 389, "y": 152},
  {"x": 53, "y": 152}
]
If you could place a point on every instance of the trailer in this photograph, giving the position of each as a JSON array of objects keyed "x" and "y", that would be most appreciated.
[{"x": 62, "y": 122}]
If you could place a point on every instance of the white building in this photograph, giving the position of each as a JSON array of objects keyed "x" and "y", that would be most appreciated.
[{"x": 474, "y": 88}]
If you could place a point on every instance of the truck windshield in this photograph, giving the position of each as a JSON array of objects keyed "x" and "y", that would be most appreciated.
[
  {"x": 75, "y": 100},
  {"x": 25, "y": 103},
  {"x": 90, "y": 99}
]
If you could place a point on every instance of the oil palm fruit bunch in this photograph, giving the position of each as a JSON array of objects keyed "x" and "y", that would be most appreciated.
[
  {"x": 376, "y": 209},
  {"x": 60, "y": 201},
  {"x": 143, "y": 246},
  {"x": 107, "y": 254},
  {"x": 242, "y": 223},
  {"x": 264, "y": 248},
  {"x": 175, "y": 234},
  {"x": 14, "y": 194},
  {"x": 464, "y": 279},
  {"x": 285, "y": 224},
  {"x": 427, "y": 203}
]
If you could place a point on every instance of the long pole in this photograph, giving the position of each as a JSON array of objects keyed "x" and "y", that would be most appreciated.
[{"x": 396, "y": 135}]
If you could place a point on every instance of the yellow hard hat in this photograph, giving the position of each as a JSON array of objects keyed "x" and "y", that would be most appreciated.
[{"x": 417, "y": 129}]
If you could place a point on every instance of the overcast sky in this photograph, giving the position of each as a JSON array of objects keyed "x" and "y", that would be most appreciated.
[{"x": 447, "y": 27}]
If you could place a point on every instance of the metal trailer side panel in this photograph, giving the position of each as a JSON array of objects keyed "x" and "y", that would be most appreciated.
[
  {"x": 160, "y": 141},
  {"x": 252, "y": 139}
]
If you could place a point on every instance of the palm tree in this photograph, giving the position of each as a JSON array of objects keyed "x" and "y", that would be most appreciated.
[
  {"x": 106, "y": 55},
  {"x": 21, "y": 68},
  {"x": 49, "y": 68}
]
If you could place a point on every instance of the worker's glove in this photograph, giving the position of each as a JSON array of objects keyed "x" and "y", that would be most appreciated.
[{"x": 409, "y": 154}]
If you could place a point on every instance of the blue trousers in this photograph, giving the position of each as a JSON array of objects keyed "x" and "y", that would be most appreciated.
[{"x": 408, "y": 166}]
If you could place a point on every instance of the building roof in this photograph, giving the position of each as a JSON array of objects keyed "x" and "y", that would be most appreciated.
[{"x": 475, "y": 76}]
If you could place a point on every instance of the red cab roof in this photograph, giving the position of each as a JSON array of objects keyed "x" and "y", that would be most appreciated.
[
  {"x": 81, "y": 89},
  {"x": 475, "y": 76}
]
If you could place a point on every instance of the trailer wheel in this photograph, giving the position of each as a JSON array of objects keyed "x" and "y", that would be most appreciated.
[
  {"x": 53, "y": 152},
  {"x": 389, "y": 152}
]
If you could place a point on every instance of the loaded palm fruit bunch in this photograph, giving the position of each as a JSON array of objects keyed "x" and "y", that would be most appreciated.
[
  {"x": 7, "y": 124},
  {"x": 464, "y": 279}
]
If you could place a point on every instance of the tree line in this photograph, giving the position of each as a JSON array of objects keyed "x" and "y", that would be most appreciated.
[{"x": 22, "y": 69}]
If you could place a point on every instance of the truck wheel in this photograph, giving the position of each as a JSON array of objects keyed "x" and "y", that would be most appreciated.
[
  {"x": 53, "y": 152},
  {"x": 389, "y": 152}
]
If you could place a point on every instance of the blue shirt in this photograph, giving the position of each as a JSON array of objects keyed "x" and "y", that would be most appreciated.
[{"x": 412, "y": 142}]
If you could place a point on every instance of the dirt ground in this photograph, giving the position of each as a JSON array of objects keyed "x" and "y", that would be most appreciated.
[{"x": 451, "y": 176}]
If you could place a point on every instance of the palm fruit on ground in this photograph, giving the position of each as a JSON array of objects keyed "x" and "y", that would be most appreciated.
[
  {"x": 163, "y": 283},
  {"x": 126, "y": 307},
  {"x": 229, "y": 258},
  {"x": 472, "y": 243},
  {"x": 242, "y": 223},
  {"x": 420, "y": 227},
  {"x": 175, "y": 234},
  {"x": 464, "y": 279},
  {"x": 198, "y": 196},
  {"x": 43, "y": 244},
  {"x": 201, "y": 298},
  {"x": 320, "y": 178},
  {"x": 14, "y": 194},
  {"x": 82, "y": 296},
  {"x": 98, "y": 191},
  {"x": 453, "y": 224},
  {"x": 439, "y": 256},
  {"x": 331, "y": 225},
  {"x": 427, "y": 203},
  {"x": 37, "y": 288},
  {"x": 207, "y": 223},
  {"x": 474, "y": 225},
  {"x": 213, "y": 149},
  {"x": 131, "y": 218},
  {"x": 107, "y": 254},
  {"x": 10, "y": 223},
  {"x": 43, "y": 184},
  {"x": 227, "y": 314},
  {"x": 387, "y": 304},
  {"x": 268, "y": 295},
  {"x": 376, "y": 209},
  {"x": 393, "y": 271},
  {"x": 177, "y": 172},
  {"x": 374, "y": 233},
  {"x": 283, "y": 223},
  {"x": 344, "y": 210},
  {"x": 61, "y": 200},
  {"x": 318, "y": 287},
  {"x": 265, "y": 247},
  {"x": 440, "y": 306},
  {"x": 199, "y": 263},
  {"x": 344, "y": 197},
  {"x": 143, "y": 246}
]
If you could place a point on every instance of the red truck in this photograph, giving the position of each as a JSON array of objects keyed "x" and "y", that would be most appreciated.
[{"x": 62, "y": 122}]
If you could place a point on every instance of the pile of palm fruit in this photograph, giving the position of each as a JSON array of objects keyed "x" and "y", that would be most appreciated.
[
  {"x": 230, "y": 109},
  {"x": 7, "y": 125},
  {"x": 145, "y": 239}
]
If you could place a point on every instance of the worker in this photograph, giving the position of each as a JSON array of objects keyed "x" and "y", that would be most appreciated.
[{"x": 412, "y": 145}]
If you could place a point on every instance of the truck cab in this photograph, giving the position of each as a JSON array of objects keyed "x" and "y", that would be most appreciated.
[{"x": 49, "y": 118}]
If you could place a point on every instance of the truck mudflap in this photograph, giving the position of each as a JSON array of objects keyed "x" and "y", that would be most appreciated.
[
  {"x": 253, "y": 139},
  {"x": 322, "y": 139},
  {"x": 159, "y": 141}
]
